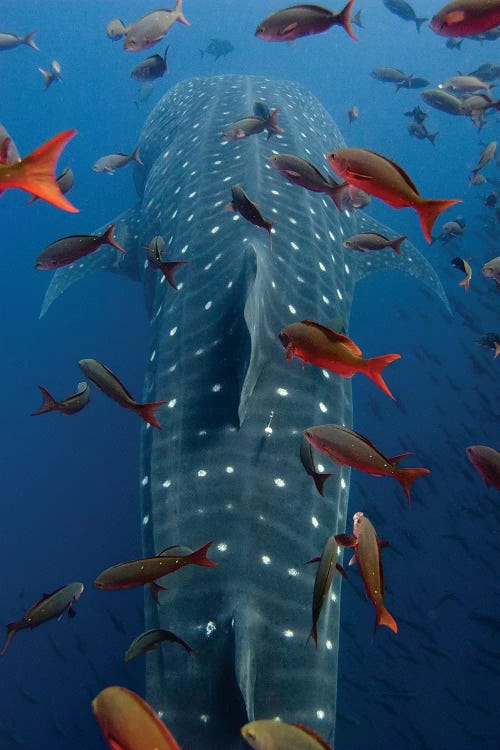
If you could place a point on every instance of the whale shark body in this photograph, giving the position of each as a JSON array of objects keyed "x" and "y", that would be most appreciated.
[{"x": 226, "y": 465}]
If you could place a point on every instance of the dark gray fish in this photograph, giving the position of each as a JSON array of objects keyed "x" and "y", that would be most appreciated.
[
  {"x": 417, "y": 113},
  {"x": 109, "y": 384},
  {"x": 154, "y": 254},
  {"x": 154, "y": 66},
  {"x": 9, "y": 41},
  {"x": 303, "y": 173},
  {"x": 390, "y": 75},
  {"x": 69, "y": 249},
  {"x": 65, "y": 182},
  {"x": 418, "y": 130},
  {"x": 405, "y": 11},
  {"x": 217, "y": 48},
  {"x": 149, "y": 640},
  {"x": 413, "y": 82},
  {"x": 246, "y": 208},
  {"x": 323, "y": 581},
  {"x": 307, "y": 458},
  {"x": 46, "y": 608},
  {"x": 69, "y": 405},
  {"x": 486, "y": 72},
  {"x": 490, "y": 341},
  {"x": 353, "y": 113},
  {"x": 111, "y": 162}
]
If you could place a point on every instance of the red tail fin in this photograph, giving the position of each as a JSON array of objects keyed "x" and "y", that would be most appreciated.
[
  {"x": 49, "y": 403},
  {"x": 428, "y": 211},
  {"x": 36, "y": 172},
  {"x": 344, "y": 19},
  {"x": 385, "y": 618},
  {"x": 108, "y": 238},
  {"x": 374, "y": 367},
  {"x": 12, "y": 629},
  {"x": 272, "y": 122},
  {"x": 169, "y": 268},
  {"x": 406, "y": 477},
  {"x": 199, "y": 557},
  {"x": 147, "y": 412}
]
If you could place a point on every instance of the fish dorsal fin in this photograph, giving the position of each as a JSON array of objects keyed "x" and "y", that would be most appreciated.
[
  {"x": 336, "y": 338},
  {"x": 399, "y": 169},
  {"x": 364, "y": 440},
  {"x": 319, "y": 739},
  {"x": 399, "y": 457}
]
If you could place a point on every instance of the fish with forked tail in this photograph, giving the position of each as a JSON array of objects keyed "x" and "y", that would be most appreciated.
[
  {"x": 302, "y": 20},
  {"x": 249, "y": 210},
  {"x": 69, "y": 405}
]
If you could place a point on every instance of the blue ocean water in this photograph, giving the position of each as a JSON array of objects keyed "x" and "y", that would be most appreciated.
[{"x": 70, "y": 489}]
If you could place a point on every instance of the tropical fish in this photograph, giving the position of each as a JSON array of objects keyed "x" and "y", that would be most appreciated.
[
  {"x": 154, "y": 66},
  {"x": 417, "y": 113},
  {"x": 322, "y": 583},
  {"x": 52, "y": 75},
  {"x": 307, "y": 458},
  {"x": 369, "y": 241},
  {"x": 49, "y": 606},
  {"x": 349, "y": 448},
  {"x": 217, "y": 48},
  {"x": 303, "y": 173},
  {"x": 9, "y": 41},
  {"x": 111, "y": 162},
  {"x": 386, "y": 180},
  {"x": 152, "y": 27},
  {"x": 413, "y": 82},
  {"x": 67, "y": 250},
  {"x": 418, "y": 130},
  {"x": 321, "y": 346},
  {"x": 353, "y": 113},
  {"x": 36, "y": 172},
  {"x": 487, "y": 461},
  {"x": 463, "y": 266},
  {"x": 490, "y": 341},
  {"x": 252, "y": 125},
  {"x": 404, "y": 10},
  {"x": 249, "y": 210},
  {"x": 269, "y": 734},
  {"x": 107, "y": 382},
  {"x": 127, "y": 722},
  {"x": 154, "y": 252},
  {"x": 146, "y": 570},
  {"x": 367, "y": 548},
  {"x": 302, "y": 20},
  {"x": 466, "y": 17},
  {"x": 391, "y": 75},
  {"x": 149, "y": 640},
  {"x": 69, "y": 405},
  {"x": 239, "y": 405}
]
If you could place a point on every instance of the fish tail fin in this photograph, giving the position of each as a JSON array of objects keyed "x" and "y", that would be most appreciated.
[
  {"x": 272, "y": 123},
  {"x": 136, "y": 155},
  {"x": 319, "y": 481},
  {"x": 419, "y": 22},
  {"x": 375, "y": 365},
  {"x": 497, "y": 349},
  {"x": 396, "y": 244},
  {"x": 36, "y": 172},
  {"x": 432, "y": 137},
  {"x": 49, "y": 403},
  {"x": 406, "y": 477},
  {"x": 466, "y": 283},
  {"x": 314, "y": 635},
  {"x": 180, "y": 16},
  {"x": 199, "y": 556},
  {"x": 147, "y": 412},
  {"x": 168, "y": 269},
  {"x": 344, "y": 20},
  {"x": 12, "y": 629},
  {"x": 47, "y": 77},
  {"x": 108, "y": 238},
  {"x": 429, "y": 209},
  {"x": 384, "y": 617},
  {"x": 29, "y": 39}
]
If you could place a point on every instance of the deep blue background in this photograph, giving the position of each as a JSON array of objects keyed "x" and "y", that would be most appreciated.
[{"x": 70, "y": 495}]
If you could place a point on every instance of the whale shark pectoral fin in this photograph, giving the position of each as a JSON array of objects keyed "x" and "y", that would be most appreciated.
[
  {"x": 244, "y": 663},
  {"x": 411, "y": 260},
  {"x": 105, "y": 259}
]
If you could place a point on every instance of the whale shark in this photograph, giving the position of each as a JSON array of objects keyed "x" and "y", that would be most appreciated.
[{"x": 226, "y": 465}]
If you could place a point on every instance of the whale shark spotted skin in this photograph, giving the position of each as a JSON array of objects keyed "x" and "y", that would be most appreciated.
[{"x": 226, "y": 465}]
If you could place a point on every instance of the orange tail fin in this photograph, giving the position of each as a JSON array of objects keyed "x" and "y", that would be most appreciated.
[
  {"x": 466, "y": 283},
  {"x": 199, "y": 557},
  {"x": 374, "y": 367},
  {"x": 147, "y": 412},
  {"x": 384, "y": 617},
  {"x": 406, "y": 477},
  {"x": 344, "y": 19},
  {"x": 428, "y": 211},
  {"x": 36, "y": 172},
  {"x": 49, "y": 403}
]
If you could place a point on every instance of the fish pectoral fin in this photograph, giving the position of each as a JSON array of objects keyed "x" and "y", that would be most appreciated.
[
  {"x": 357, "y": 175},
  {"x": 71, "y": 611},
  {"x": 399, "y": 457},
  {"x": 288, "y": 29},
  {"x": 313, "y": 560}
]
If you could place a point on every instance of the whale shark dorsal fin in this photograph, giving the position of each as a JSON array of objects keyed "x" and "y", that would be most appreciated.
[{"x": 106, "y": 259}]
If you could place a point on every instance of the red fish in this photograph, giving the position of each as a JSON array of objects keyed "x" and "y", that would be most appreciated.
[
  {"x": 326, "y": 348},
  {"x": 466, "y": 17},
  {"x": 367, "y": 548},
  {"x": 386, "y": 180},
  {"x": 36, "y": 172}
]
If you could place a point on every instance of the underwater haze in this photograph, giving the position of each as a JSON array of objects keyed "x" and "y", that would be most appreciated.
[{"x": 83, "y": 492}]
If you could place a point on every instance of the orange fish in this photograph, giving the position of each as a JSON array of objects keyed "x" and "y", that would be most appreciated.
[
  {"x": 129, "y": 723},
  {"x": 367, "y": 548},
  {"x": 326, "y": 348},
  {"x": 386, "y": 180},
  {"x": 36, "y": 172}
]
